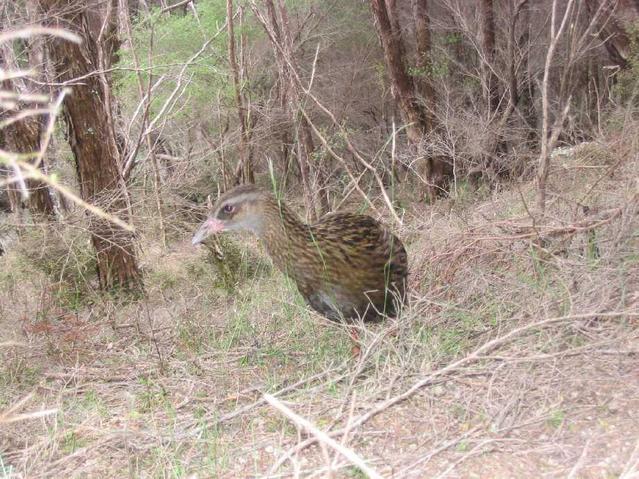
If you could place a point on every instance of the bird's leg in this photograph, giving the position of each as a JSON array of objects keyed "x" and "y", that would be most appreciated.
[{"x": 356, "y": 350}]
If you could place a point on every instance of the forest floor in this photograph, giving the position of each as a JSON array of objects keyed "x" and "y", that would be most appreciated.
[{"x": 518, "y": 355}]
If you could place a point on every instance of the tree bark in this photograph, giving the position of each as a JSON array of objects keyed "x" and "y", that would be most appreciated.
[
  {"x": 403, "y": 88},
  {"x": 423, "y": 62},
  {"x": 280, "y": 36},
  {"x": 488, "y": 47},
  {"x": 612, "y": 31},
  {"x": 92, "y": 140},
  {"x": 245, "y": 164},
  {"x": 23, "y": 136},
  {"x": 12, "y": 202},
  {"x": 415, "y": 116}
]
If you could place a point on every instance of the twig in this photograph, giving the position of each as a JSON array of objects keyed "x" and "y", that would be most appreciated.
[
  {"x": 631, "y": 471},
  {"x": 9, "y": 415},
  {"x": 175, "y": 5},
  {"x": 446, "y": 445},
  {"x": 171, "y": 99},
  {"x": 6, "y": 419},
  {"x": 8, "y": 344},
  {"x": 322, "y": 437},
  {"x": 30, "y": 31},
  {"x": 580, "y": 462},
  {"x": 307, "y": 92},
  {"x": 36, "y": 174}
]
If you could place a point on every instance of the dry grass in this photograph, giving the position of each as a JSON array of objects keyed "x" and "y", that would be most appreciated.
[{"x": 517, "y": 357}]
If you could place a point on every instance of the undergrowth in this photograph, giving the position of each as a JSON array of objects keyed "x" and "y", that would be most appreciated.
[{"x": 171, "y": 383}]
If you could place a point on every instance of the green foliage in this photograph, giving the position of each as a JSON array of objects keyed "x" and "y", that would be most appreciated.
[
  {"x": 350, "y": 27},
  {"x": 556, "y": 419},
  {"x": 92, "y": 402},
  {"x": 170, "y": 40},
  {"x": 71, "y": 442},
  {"x": 462, "y": 446},
  {"x": 235, "y": 265},
  {"x": 437, "y": 67},
  {"x": 454, "y": 38},
  {"x": 163, "y": 279},
  {"x": 17, "y": 371},
  {"x": 152, "y": 396},
  {"x": 355, "y": 472}
]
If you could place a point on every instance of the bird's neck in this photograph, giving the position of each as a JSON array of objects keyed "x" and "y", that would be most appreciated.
[{"x": 282, "y": 233}]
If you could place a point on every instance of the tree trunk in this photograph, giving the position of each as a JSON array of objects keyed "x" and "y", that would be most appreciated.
[
  {"x": 612, "y": 31},
  {"x": 514, "y": 48},
  {"x": 423, "y": 63},
  {"x": 92, "y": 140},
  {"x": 281, "y": 39},
  {"x": 488, "y": 47},
  {"x": 403, "y": 88},
  {"x": 12, "y": 202},
  {"x": 434, "y": 169},
  {"x": 245, "y": 164},
  {"x": 23, "y": 136}
]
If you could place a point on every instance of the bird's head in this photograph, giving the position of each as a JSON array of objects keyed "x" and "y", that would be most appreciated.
[{"x": 240, "y": 209}]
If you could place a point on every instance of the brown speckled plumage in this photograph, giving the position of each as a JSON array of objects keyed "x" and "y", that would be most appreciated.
[{"x": 345, "y": 265}]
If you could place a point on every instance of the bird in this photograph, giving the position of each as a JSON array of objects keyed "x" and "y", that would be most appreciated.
[{"x": 346, "y": 266}]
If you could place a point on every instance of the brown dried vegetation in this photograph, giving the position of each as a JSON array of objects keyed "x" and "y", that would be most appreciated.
[{"x": 518, "y": 353}]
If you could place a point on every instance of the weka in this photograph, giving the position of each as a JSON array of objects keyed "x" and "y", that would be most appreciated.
[{"x": 346, "y": 266}]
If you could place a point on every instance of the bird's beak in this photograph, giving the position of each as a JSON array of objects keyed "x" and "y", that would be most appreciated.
[{"x": 210, "y": 227}]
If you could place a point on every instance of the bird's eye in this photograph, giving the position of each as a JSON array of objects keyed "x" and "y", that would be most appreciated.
[{"x": 228, "y": 208}]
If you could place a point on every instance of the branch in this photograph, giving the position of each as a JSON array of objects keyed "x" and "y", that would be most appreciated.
[
  {"x": 25, "y": 33},
  {"x": 322, "y": 437},
  {"x": 177, "y": 5}
]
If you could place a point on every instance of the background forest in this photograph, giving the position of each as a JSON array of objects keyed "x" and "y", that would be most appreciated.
[{"x": 497, "y": 138}]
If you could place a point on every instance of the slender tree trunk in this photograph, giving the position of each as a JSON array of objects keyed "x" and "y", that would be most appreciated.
[
  {"x": 6, "y": 205},
  {"x": 152, "y": 140},
  {"x": 92, "y": 141},
  {"x": 549, "y": 134},
  {"x": 12, "y": 195},
  {"x": 423, "y": 63},
  {"x": 402, "y": 83},
  {"x": 498, "y": 141},
  {"x": 488, "y": 47},
  {"x": 23, "y": 136},
  {"x": 245, "y": 166},
  {"x": 317, "y": 204},
  {"x": 414, "y": 114},
  {"x": 281, "y": 39}
]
